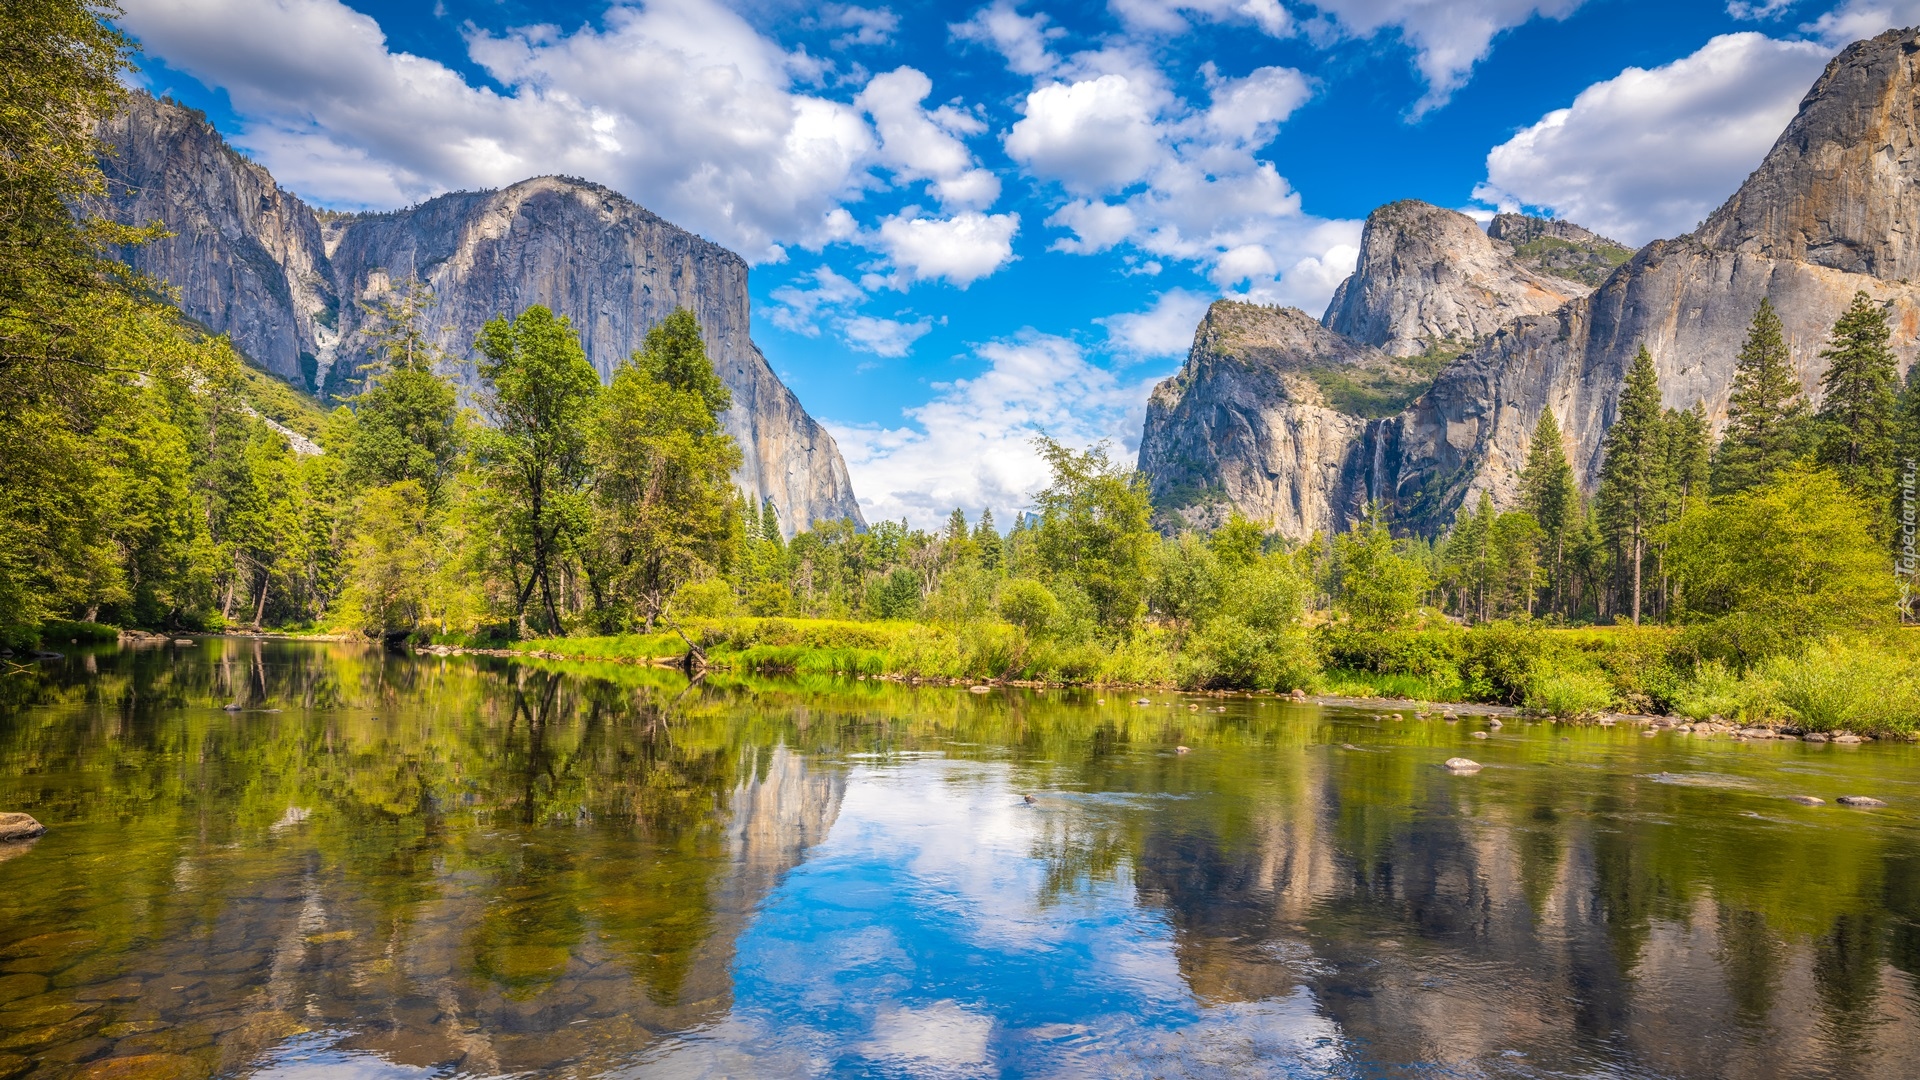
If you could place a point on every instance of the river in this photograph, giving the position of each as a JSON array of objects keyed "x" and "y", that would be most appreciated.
[{"x": 383, "y": 867}]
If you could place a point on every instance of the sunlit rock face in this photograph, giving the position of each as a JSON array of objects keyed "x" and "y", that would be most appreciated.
[
  {"x": 291, "y": 284},
  {"x": 1831, "y": 211},
  {"x": 1429, "y": 277}
]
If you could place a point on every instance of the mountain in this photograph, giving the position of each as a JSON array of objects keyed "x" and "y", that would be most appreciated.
[
  {"x": 1832, "y": 209},
  {"x": 288, "y": 282},
  {"x": 1429, "y": 279}
]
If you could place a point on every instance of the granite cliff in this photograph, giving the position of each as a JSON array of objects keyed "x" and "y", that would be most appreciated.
[
  {"x": 287, "y": 282},
  {"x": 1831, "y": 210}
]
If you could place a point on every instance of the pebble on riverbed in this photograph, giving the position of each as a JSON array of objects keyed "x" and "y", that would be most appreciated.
[
  {"x": 19, "y": 827},
  {"x": 1807, "y": 800}
]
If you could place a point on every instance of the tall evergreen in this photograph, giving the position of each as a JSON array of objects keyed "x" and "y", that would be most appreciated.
[
  {"x": 1766, "y": 414},
  {"x": 1856, "y": 417},
  {"x": 986, "y": 540},
  {"x": 1547, "y": 491},
  {"x": 1634, "y": 474}
]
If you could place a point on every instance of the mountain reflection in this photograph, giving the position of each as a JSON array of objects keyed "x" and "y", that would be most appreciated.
[{"x": 383, "y": 863}]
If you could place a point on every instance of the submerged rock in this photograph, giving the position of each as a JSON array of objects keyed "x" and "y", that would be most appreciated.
[
  {"x": 1807, "y": 800},
  {"x": 1460, "y": 764},
  {"x": 1859, "y": 801},
  {"x": 19, "y": 827}
]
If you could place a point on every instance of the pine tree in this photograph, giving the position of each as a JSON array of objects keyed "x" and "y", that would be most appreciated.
[
  {"x": 986, "y": 539},
  {"x": 1856, "y": 415},
  {"x": 1634, "y": 474},
  {"x": 1766, "y": 414},
  {"x": 1548, "y": 493}
]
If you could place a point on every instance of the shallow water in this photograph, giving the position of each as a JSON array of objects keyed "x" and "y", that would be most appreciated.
[{"x": 403, "y": 867}]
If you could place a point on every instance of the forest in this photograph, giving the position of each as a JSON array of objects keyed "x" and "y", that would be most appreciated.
[{"x": 155, "y": 480}]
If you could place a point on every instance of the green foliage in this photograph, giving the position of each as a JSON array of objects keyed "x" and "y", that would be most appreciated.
[
  {"x": 541, "y": 395},
  {"x": 405, "y": 424},
  {"x": 662, "y": 467},
  {"x": 1788, "y": 562},
  {"x": 1379, "y": 585},
  {"x": 1095, "y": 532},
  {"x": 390, "y": 561},
  {"x": 1633, "y": 477},
  {"x": 1857, "y": 407},
  {"x": 1766, "y": 415},
  {"x": 1028, "y": 605}
]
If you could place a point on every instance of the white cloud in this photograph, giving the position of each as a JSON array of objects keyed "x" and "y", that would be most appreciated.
[
  {"x": 1171, "y": 16},
  {"x": 678, "y": 103},
  {"x": 1020, "y": 39},
  {"x": 918, "y": 144},
  {"x": 1094, "y": 135},
  {"x": 960, "y": 249},
  {"x": 1250, "y": 110},
  {"x": 1649, "y": 153},
  {"x": 1163, "y": 331},
  {"x": 883, "y": 337},
  {"x": 864, "y": 26},
  {"x": 1766, "y": 9},
  {"x": 799, "y": 310},
  {"x": 1856, "y": 19},
  {"x": 971, "y": 446},
  {"x": 1448, "y": 36}
]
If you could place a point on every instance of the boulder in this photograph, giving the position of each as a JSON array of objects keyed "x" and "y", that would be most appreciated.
[
  {"x": 19, "y": 827},
  {"x": 1859, "y": 801},
  {"x": 1462, "y": 765}
]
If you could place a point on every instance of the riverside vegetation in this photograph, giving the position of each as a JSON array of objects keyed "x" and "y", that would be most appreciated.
[{"x": 153, "y": 481}]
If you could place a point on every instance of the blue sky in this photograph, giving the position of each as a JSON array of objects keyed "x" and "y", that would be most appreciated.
[{"x": 972, "y": 222}]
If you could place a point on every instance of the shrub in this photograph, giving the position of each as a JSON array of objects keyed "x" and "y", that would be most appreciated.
[
  {"x": 61, "y": 631},
  {"x": 1569, "y": 692},
  {"x": 709, "y": 599},
  {"x": 1029, "y": 605}
]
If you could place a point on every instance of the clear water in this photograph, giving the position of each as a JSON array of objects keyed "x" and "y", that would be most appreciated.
[{"x": 393, "y": 867}]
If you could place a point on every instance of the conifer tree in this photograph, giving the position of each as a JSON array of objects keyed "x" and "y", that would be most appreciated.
[
  {"x": 986, "y": 540},
  {"x": 1634, "y": 474},
  {"x": 1856, "y": 415},
  {"x": 1548, "y": 493},
  {"x": 1766, "y": 414}
]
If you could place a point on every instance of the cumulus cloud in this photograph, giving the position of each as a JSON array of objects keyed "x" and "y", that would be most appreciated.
[
  {"x": 1856, "y": 19},
  {"x": 883, "y": 337},
  {"x": 1448, "y": 37},
  {"x": 1180, "y": 180},
  {"x": 1022, "y": 40},
  {"x": 1650, "y": 152},
  {"x": 798, "y": 309},
  {"x": 863, "y": 26},
  {"x": 971, "y": 446},
  {"x": 1163, "y": 331},
  {"x": 679, "y": 103},
  {"x": 1172, "y": 16},
  {"x": 960, "y": 249},
  {"x": 918, "y": 144},
  {"x": 1096, "y": 134}
]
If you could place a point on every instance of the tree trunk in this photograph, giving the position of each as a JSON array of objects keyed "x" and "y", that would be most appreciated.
[
  {"x": 260, "y": 609},
  {"x": 1636, "y": 574}
]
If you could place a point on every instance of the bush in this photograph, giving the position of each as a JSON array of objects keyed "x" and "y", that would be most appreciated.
[
  {"x": 709, "y": 599},
  {"x": 1569, "y": 692},
  {"x": 1865, "y": 685},
  {"x": 1029, "y": 605},
  {"x": 1500, "y": 660},
  {"x": 60, "y": 631}
]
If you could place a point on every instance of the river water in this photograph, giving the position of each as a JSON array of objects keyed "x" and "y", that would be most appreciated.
[{"x": 394, "y": 867}]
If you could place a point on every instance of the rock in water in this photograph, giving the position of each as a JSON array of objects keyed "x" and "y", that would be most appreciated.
[
  {"x": 1460, "y": 764},
  {"x": 979, "y": 689},
  {"x": 19, "y": 827},
  {"x": 1807, "y": 800},
  {"x": 1859, "y": 801},
  {"x": 253, "y": 261},
  {"x": 1481, "y": 735}
]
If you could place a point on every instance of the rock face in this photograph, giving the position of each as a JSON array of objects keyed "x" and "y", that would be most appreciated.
[
  {"x": 1559, "y": 248},
  {"x": 1268, "y": 415},
  {"x": 1429, "y": 278},
  {"x": 288, "y": 283},
  {"x": 1830, "y": 212}
]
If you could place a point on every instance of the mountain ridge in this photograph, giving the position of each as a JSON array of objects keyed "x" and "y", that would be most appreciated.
[{"x": 287, "y": 282}]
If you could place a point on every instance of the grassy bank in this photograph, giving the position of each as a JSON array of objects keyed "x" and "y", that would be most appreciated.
[{"x": 1868, "y": 685}]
